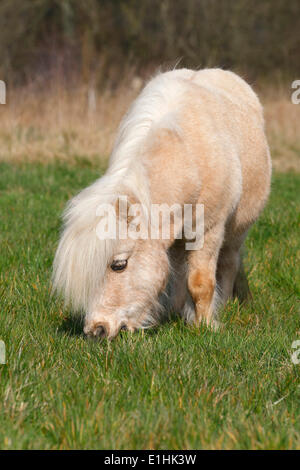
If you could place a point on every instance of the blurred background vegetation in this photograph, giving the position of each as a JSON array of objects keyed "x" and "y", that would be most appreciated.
[
  {"x": 100, "y": 40},
  {"x": 72, "y": 67}
]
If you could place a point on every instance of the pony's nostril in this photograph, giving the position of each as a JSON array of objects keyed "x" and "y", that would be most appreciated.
[
  {"x": 123, "y": 327},
  {"x": 100, "y": 331}
]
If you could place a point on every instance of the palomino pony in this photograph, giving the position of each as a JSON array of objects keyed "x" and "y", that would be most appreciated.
[{"x": 191, "y": 137}]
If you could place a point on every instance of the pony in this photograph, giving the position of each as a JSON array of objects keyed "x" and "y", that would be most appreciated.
[{"x": 190, "y": 137}]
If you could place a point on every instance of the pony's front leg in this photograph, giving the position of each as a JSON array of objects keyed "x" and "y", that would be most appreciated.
[{"x": 202, "y": 277}]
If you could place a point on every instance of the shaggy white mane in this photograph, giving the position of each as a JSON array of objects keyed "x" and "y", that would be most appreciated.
[{"x": 81, "y": 258}]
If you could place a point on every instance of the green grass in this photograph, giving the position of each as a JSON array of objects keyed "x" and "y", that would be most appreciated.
[{"x": 171, "y": 387}]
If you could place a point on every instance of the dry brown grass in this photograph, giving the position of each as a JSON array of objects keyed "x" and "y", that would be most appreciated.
[
  {"x": 283, "y": 127},
  {"x": 61, "y": 124},
  {"x": 71, "y": 124}
]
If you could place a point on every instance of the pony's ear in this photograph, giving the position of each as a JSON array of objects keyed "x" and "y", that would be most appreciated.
[{"x": 122, "y": 207}]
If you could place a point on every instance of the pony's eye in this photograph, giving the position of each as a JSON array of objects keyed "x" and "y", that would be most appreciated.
[{"x": 119, "y": 265}]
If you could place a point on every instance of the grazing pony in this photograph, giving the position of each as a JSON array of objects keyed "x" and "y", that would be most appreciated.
[{"x": 191, "y": 137}]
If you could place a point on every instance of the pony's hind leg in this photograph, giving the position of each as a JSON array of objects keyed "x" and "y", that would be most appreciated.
[
  {"x": 241, "y": 288},
  {"x": 227, "y": 270},
  {"x": 231, "y": 277}
]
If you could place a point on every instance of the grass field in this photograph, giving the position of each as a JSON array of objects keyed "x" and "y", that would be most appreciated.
[{"x": 171, "y": 387}]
